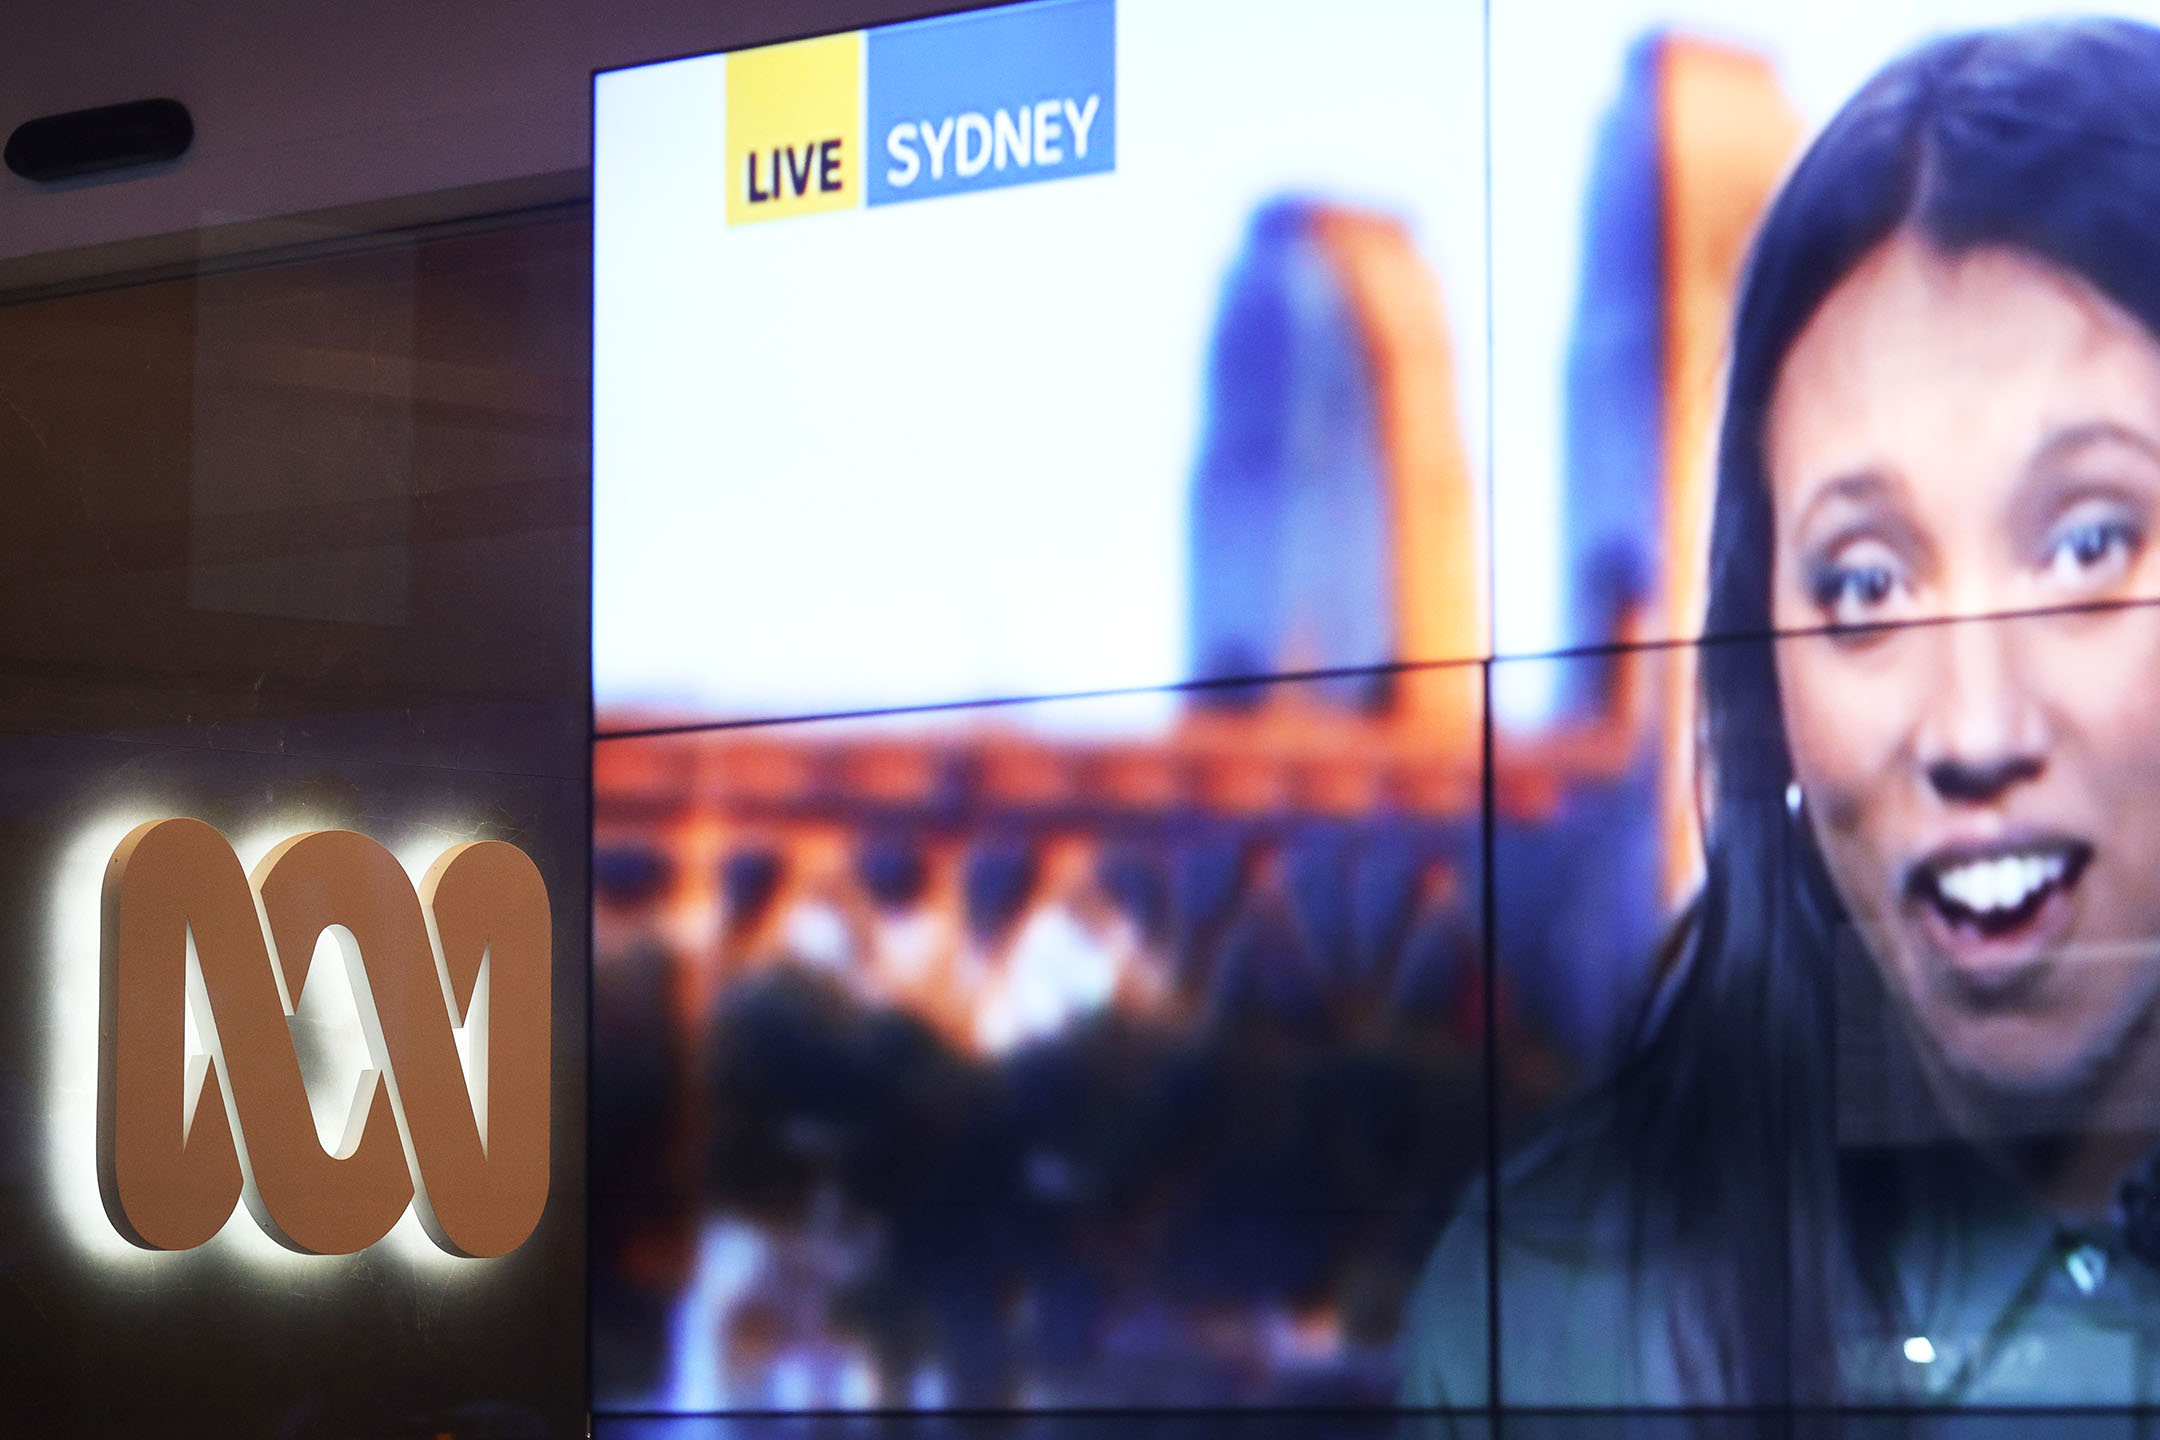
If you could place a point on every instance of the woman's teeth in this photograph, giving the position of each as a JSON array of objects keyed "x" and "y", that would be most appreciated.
[
  {"x": 2003, "y": 883},
  {"x": 1999, "y": 894}
]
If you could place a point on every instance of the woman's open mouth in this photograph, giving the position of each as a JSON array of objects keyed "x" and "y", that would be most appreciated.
[{"x": 1995, "y": 908}]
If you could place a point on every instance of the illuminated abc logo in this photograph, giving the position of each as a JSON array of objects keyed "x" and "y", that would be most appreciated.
[{"x": 181, "y": 1139}]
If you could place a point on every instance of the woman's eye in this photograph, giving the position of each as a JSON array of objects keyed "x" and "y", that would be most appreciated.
[
  {"x": 1857, "y": 589},
  {"x": 2091, "y": 553}
]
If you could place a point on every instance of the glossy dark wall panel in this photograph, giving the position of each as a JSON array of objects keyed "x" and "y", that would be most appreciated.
[{"x": 289, "y": 547}]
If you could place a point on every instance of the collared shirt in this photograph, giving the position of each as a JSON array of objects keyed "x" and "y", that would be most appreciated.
[
  {"x": 2001, "y": 1307},
  {"x": 2005, "y": 1307}
]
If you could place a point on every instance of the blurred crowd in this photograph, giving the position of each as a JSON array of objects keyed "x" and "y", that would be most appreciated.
[{"x": 1177, "y": 1125}]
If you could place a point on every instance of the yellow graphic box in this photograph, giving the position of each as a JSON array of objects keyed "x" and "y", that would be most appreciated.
[{"x": 794, "y": 129}]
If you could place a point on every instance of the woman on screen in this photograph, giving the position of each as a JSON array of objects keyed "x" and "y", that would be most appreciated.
[{"x": 1887, "y": 1134}]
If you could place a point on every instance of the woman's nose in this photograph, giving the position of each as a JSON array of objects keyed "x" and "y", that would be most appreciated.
[
  {"x": 1981, "y": 733},
  {"x": 1962, "y": 780}
]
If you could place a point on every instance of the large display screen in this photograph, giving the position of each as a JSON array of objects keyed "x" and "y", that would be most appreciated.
[
  {"x": 935, "y": 437},
  {"x": 1459, "y": 725}
]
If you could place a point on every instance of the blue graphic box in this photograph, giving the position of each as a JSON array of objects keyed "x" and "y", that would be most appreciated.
[{"x": 990, "y": 99}]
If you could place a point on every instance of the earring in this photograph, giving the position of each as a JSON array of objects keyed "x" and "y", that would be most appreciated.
[{"x": 1793, "y": 799}]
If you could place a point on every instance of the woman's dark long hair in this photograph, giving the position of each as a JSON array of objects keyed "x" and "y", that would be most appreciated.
[{"x": 2043, "y": 139}]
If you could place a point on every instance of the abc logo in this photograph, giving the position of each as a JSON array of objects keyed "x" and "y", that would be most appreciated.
[{"x": 181, "y": 1139}]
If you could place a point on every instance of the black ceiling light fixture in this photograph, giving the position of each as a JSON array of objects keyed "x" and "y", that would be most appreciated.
[{"x": 110, "y": 137}]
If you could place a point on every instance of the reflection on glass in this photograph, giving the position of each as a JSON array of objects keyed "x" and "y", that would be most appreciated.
[{"x": 1882, "y": 1130}]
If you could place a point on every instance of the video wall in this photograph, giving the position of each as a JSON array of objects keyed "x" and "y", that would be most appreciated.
[{"x": 1397, "y": 706}]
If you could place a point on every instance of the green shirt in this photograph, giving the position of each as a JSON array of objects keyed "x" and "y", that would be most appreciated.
[{"x": 2003, "y": 1306}]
